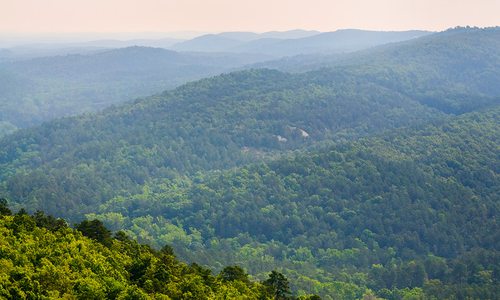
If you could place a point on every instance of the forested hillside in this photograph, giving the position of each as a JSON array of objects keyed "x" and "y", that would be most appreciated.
[
  {"x": 42, "y": 258},
  {"x": 361, "y": 214},
  {"x": 461, "y": 62},
  {"x": 412, "y": 212},
  {"x": 72, "y": 164},
  {"x": 41, "y": 89}
]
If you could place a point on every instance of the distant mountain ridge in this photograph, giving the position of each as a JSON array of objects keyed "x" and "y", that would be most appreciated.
[
  {"x": 41, "y": 89},
  {"x": 295, "y": 42},
  {"x": 464, "y": 60},
  {"x": 277, "y": 43}
]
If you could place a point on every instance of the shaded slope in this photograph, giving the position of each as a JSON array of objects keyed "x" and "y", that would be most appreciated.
[
  {"x": 459, "y": 62},
  {"x": 211, "y": 124},
  {"x": 42, "y": 89}
]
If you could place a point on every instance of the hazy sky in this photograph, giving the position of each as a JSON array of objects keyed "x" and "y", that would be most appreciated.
[{"x": 41, "y": 16}]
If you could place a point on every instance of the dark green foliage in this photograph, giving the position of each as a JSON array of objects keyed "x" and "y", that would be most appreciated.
[
  {"x": 48, "y": 222},
  {"x": 4, "y": 207},
  {"x": 311, "y": 297},
  {"x": 95, "y": 230},
  {"x": 167, "y": 250},
  {"x": 278, "y": 286},
  {"x": 121, "y": 236},
  {"x": 232, "y": 273}
]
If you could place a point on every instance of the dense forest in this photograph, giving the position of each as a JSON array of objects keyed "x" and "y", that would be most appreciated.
[
  {"x": 369, "y": 175},
  {"x": 422, "y": 202},
  {"x": 211, "y": 124}
]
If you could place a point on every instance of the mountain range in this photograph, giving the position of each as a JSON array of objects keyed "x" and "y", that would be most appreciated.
[
  {"x": 295, "y": 42},
  {"x": 45, "y": 81},
  {"x": 364, "y": 174}
]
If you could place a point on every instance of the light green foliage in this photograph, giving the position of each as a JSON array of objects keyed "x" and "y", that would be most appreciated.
[{"x": 42, "y": 263}]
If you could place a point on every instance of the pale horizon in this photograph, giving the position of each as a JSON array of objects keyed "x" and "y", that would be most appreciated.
[{"x": 98, "y": 17}]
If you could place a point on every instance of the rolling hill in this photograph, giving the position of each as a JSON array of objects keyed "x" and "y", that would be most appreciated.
[
  {"x": 42, "y": 89},
  {"x": 462, "y": 60},
  {"x": 408, "y": 209},
  {"x": 211, "y": 124},
  {"x": 230, "y": 41}
]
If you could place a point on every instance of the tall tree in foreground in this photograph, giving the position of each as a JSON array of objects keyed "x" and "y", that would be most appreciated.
[{"x": 278, "y": 285}]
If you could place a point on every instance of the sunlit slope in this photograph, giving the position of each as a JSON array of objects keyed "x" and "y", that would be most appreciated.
[{"x": 400, "y": 210}]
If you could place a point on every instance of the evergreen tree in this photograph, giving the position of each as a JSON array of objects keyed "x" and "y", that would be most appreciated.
[
  {"x": 95, "y": 230},
  {"x": 278, "y": 285},
  {"x": 4, "y": 208},
  {"x": 233, "y": 273}
]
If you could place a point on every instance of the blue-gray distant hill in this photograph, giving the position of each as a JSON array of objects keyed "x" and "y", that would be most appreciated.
[
  {"x": 40, "y": 89},
  {"x": 5, "y": 55},
  {"x": 231, "y": 41},
  {"x": 295, "y": 42}
]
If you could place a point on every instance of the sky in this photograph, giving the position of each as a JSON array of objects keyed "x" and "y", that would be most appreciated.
[{"x": 106, "y": 16}]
